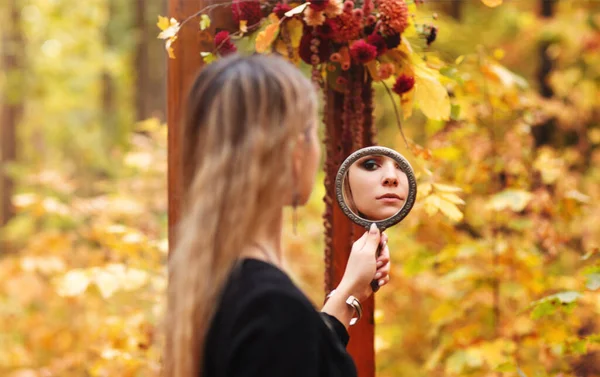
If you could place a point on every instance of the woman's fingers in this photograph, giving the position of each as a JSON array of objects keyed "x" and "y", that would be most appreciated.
[{"x": 384, "y": 257}]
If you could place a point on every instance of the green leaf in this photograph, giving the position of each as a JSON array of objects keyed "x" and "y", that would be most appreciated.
[
  {"x": 208, "y": 57},
  {"x": 506, "y": 367},
  {"x": 543, "y": 309},
  {"x": 204, "y": 22}
]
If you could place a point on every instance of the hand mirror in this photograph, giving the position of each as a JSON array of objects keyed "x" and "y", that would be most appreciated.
[{"x": 376, "y": 185}]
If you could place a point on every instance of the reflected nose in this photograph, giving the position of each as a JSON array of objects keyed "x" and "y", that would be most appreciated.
[{"x": 390, "y": 179}]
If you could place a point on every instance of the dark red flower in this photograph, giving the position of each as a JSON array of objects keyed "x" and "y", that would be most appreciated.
[
  {"x": 318, "y": 5},
  {"x": 379, "y": 42},
  {"x": 392, "y": 40},
  {"x": 246, "y": 10},
  {"x": 432, "y": 35},
  {"x": 403, "y": 84},
  {"x": 323, "y": 48},
  {"x": 224, "y": 44},
  {"x": 280, "y": 9},
  {"x": 327, "y": 30},
  {"x": 362, "y": 52}
]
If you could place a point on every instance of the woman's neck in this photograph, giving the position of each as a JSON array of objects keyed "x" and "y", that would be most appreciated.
[{"x": 266, "y": 245}]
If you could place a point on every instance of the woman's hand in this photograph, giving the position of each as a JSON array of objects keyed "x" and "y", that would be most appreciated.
[{"x": 363, "y": 265}]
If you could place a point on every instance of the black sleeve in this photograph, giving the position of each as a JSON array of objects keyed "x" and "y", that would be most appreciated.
[
  {"x": 275, "y": 336},
  {"x": 338, "y": 328}
]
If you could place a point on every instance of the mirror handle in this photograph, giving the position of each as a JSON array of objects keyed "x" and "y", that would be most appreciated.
[{"x": 375, "y": 283}]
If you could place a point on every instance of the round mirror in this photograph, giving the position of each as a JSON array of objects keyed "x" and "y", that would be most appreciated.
[{"x": 376, "y": 185}]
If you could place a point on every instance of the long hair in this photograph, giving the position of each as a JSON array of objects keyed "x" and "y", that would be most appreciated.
[{"x": 244, "y": 116}]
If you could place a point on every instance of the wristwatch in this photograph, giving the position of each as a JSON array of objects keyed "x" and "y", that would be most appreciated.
[{"x": 353, "y": 303}]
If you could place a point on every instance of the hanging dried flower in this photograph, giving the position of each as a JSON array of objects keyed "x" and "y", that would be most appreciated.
[
  {"x": 393, "y": 16},
  {"x": 348, "y": 28},
  {"x": 403, "y": 84},
  {"x": 348, "y": 6},
  {"x": 318, "y": 5},
  {"x": 246, "y": 10},
  {"x": 224, "y": 44},
  {"x": 379, "y": 42},
  {"x": 334, "y": 8},
  {"x": 323, "y": 49},
  {"x": 362, "y": 52},
  {"x": 313, "y": 18},
  {"x": 280, "y": 9}
]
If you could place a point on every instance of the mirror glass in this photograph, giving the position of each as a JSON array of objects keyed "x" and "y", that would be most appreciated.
[
  {"x": 375, "y": 187},
  {"x": 376, "y": 184}
]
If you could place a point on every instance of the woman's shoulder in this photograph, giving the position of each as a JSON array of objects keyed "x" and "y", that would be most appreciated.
[{"x": 255, "y": 282}]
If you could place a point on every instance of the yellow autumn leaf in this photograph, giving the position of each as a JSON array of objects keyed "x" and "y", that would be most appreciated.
[
  {"x": 244, "y": 26},
  {"x": 169, "y": 48},
  {"x": 406, "y": 103},
  {"x": 295, "y": 29},
  {"x": 204, "y": 22},
  {"x": 452, "y": 198},
  {"x": 492, "y": 3},
  {"x": 446, "y": 188},
  {"x": 450, "y": 210},
  {"x": 372, "y": 68},
  {"x": 73, "y": 283},
  {"x": 169, "y": 27},
  {"x": 430, "y": 95},
  {"x": 106, "y": 282},
  {"x": 265, "y": 38},
  {"x": 513, "y": 199}
]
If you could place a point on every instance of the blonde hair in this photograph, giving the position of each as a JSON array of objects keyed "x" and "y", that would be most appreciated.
[{"x": 244, "y": 116}]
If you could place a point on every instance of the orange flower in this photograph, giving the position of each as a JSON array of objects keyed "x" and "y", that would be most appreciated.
[{"x": 393, "y": 16}]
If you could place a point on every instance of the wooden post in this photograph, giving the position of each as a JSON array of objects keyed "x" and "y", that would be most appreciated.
[
  {"x": 180, "y": 74},
  {"x": 340, "y": 232}
]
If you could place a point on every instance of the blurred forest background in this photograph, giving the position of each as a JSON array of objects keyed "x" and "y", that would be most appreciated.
[{"x": 495, "y": 271}]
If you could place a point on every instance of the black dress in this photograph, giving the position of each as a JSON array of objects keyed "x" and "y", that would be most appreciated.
[{"x": 265, "y": 326}]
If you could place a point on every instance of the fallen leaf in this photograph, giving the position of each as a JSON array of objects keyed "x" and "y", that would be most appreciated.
[{"x": 204, "y": 22}]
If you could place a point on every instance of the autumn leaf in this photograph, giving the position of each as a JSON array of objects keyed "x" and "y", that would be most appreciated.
[
  {"x": 372, "y": 68},
  {"x": 208, "y": 57},
  {"x": 244, "y": 26},
  {"x": 434, "y": 202},
  {"x": 492, "y": 3},
  {"x": 265, "y": 38},
  {"x": 513, "y": 199},
  {"x": 169, "y": 27},
  {"x": 204, "y": 22},
  {"x": 295, "y": 29},
  {"x": 430, "y": 95}
]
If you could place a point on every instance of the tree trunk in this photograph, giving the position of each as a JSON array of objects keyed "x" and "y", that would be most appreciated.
[
  {"x": 12, "y": 105},
  {"x": 543, "y": 132},
  {"x": 109, "y": 111}
]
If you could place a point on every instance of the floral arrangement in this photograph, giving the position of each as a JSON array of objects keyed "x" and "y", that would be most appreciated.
[{"x": 333, "y": 37}]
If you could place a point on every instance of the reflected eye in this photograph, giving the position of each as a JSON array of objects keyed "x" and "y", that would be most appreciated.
[{"x": 370, "y": 164}]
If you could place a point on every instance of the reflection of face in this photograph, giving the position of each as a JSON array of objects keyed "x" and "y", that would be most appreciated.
[{"x": 378, "y": 187}]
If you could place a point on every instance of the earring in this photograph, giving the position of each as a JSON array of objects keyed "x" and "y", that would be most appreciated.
[{"x": 294, "y": 213}]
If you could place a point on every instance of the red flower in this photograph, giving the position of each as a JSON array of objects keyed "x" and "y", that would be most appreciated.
[
  {"x": 403, "y": 84},
  {"x": 318, "y": 5},
  {"x": 246, "y": 10},
  {"x": 347, "y": 28},
  {"x": 362, "y": 52},
  {"x": 280, "y": 10},
  {"x": 379, "y": 42},
  {"x": 224, "y": 44}
]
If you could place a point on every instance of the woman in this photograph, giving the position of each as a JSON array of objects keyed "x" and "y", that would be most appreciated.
[
  {"x": 375, "y": 188},
  {"x": 250, "y": 147}
]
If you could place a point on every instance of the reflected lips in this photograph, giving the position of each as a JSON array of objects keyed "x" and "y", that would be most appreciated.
[{"x": 389, "y": 198}]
